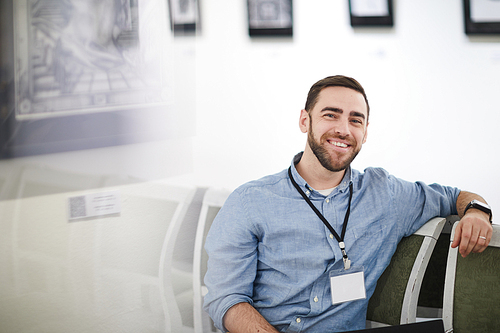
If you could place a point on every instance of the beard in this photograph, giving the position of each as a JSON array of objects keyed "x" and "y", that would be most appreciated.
[{"x": 325, "y": 158}]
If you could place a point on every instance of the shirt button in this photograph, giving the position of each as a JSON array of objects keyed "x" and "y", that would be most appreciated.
[
  {"x": 327, "y": 200},
  {"x": 316, "y": 299},
  {"x": 307, "y": 192},
  {"x": 298, "y": 320},
  {"x": 331, "y": 236}
]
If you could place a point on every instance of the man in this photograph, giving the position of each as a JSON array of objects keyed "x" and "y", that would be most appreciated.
[{"x": 271, "y": 255}]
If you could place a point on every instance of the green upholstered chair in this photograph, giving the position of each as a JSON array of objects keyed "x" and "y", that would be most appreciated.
[
  {"x": 395, "y": 299},
  {"x": 471, "y": 300}
]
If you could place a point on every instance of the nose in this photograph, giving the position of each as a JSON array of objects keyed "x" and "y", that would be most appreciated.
[{"x": 342, "y": 128}]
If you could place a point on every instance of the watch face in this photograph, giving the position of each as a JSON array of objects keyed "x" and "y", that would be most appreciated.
[{"x": 481, "y": 206}]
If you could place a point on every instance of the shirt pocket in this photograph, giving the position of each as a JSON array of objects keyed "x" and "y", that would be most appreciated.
[{"x": 365, "y": 242}]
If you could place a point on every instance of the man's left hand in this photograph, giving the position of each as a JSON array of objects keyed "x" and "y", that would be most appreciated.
[{"x": 473, "y": 233}]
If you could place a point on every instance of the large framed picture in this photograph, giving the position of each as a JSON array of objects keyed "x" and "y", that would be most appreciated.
[
  {"x": 482, "y": 17},
  {"x": 371, "y": 13},
  {"x": 184, "y": 16},
  {"x": 270, "y": 18},
  {"x": 83, "y": 74}
]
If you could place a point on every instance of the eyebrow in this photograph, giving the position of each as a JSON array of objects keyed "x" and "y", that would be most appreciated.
[{"x": 338, "y": 110}]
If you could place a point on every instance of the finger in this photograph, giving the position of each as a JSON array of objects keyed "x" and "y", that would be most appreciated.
[
  {"x": 465, "y": 240},
  {"x": 457, "y": 237},
  {"x": 469, "y": 248},
  {"x": 482, "y": 243},
  {"x": 474, "y": 244},
  {"x": 477, "y": 243}
]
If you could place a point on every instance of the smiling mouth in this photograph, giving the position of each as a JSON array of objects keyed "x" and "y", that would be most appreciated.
[{"x": 338, "y": 144}]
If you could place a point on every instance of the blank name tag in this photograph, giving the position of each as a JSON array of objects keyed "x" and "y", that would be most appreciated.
[{"x": 347, "y": 285}]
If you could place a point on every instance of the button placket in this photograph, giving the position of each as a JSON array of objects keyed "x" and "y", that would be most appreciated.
[
  {"x": 315, "y": 298},
  {"x": 328, "y": 206}
]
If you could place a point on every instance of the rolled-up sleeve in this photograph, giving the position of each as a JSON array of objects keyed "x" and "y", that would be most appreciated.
[{"x": 231, "y": 245}]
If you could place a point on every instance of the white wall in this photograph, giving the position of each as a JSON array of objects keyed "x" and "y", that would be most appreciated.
[
  {"x": 432, "y": 90},
  {"x": 434, "y": 115}
]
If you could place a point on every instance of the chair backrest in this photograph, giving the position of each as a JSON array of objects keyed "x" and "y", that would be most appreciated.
[
  {"x": 472, "y": 289},
  {"x": 212, "y": 203},
  {"x": 173, "y": 319},
  {"x": 182, "y": 264},
  {"x": 395, "y": 299}
]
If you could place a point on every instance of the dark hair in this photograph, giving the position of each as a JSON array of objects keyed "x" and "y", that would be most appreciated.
[{"x": 334, "y": 81}]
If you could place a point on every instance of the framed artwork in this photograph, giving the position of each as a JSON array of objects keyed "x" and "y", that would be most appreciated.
[
  {"x": 482, "y": 17},
  {"x": 270, "y": 18},
  {"x": 79, "y": 74},
  {"x": 184, "y": 16},
  {"x": 366, "y": 13}
]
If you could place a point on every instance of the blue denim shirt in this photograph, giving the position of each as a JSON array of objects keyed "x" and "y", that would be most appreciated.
[{"x": 268, "y": 248}]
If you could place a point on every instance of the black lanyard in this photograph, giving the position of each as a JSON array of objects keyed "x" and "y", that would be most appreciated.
[{"x": 340, "y": 238}]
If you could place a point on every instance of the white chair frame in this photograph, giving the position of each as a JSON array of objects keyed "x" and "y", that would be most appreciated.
[{"x": 213, "y": 198}]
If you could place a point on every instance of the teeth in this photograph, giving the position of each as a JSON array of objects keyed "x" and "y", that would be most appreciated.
[{"x": 339, "y": 144}]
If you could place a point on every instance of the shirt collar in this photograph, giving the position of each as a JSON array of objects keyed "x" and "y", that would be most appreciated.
[{"x": 343, "y": 186}]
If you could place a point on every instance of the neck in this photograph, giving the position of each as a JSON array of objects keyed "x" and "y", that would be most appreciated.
[{"x": 315, "y": 174}]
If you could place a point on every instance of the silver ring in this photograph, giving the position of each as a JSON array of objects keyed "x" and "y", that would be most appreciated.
[{"x": 482, "y": 237}]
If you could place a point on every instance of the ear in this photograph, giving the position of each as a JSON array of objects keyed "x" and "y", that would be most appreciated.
[
  {"x": 304, "y": 121},
  {"x": 366, "y": 132}
]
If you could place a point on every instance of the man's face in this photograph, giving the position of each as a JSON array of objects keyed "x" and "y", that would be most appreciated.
[{"x": 336, "y": 127}]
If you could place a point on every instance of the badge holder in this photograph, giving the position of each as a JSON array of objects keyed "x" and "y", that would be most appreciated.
[{"x": 347, "y": 284}]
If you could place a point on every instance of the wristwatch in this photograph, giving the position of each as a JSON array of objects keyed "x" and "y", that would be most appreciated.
[{"x": 479, "y": 205}]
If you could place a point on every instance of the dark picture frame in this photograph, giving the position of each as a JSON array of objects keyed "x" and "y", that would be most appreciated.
[
  {"x": 184, "y": 16},
  {"x": 58, "y": 96},
  {"x": 371, "y": 13},
  {"x": 481, "y": 17},
  {"x": 270, "y": 18}
]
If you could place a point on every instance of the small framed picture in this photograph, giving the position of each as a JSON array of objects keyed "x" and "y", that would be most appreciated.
[
  {"x": 272, "y": 18},
  {"x": 366, "y": 13},
  {"x": 482, "y": 17},
  {"x": 184, "y": 16}
]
